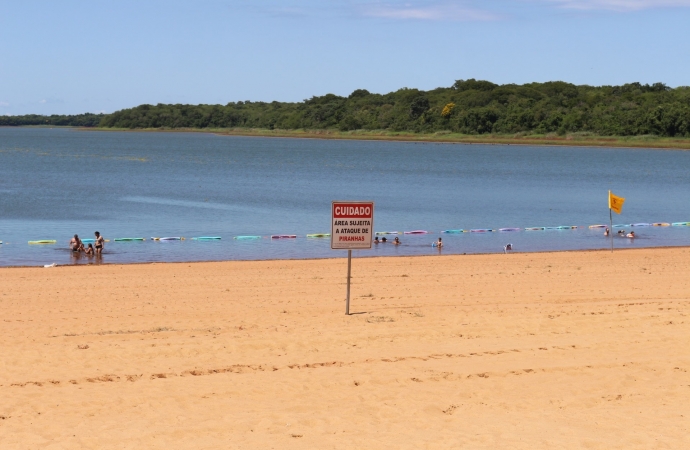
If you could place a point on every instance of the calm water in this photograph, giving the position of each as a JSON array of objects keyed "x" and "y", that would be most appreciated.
[{"x": 58, "y": 182}]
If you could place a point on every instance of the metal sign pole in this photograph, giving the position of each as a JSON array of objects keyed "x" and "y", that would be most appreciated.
[{"x": 349, "y": 270}]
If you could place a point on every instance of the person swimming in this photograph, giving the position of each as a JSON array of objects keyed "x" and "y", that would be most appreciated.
[
  {"x": 396, "y": 241},
  {"x": 438, "y": 243},
  {"x": 376, "y": 240},
  {"x": 631, "y": 235},
  {"x": 384, "y": 240},
  {"x": 606, "y": 232},
  {"x": 89, "y": 250}
]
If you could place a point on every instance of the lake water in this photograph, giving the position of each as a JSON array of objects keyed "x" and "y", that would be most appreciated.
[{"x": 58, "y": 182}]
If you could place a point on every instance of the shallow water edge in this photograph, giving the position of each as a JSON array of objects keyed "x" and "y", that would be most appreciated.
[{"x": 646, "y": 142}]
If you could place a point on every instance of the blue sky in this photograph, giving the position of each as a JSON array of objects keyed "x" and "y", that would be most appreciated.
[{"x": 78, "y": 56}]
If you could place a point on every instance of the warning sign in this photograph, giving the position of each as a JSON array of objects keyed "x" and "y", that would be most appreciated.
[{"x": 352, "y": 225}]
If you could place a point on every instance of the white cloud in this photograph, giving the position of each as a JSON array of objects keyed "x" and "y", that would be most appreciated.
[
  {"x": 620, "y": 5},
  {"x": 427, "y": 11},
  {"x": 434, "y": 10},
  {"x": 51, "y": 101}
]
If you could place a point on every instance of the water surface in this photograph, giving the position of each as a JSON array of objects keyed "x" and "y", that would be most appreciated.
[{"x": 58, "y": 182}]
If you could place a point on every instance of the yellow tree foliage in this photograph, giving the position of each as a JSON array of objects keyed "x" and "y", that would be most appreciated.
[{"x": 448, "y": 110}]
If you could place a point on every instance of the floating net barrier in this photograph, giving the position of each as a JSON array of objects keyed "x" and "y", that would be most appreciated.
[{"x": 378, "y": 233}]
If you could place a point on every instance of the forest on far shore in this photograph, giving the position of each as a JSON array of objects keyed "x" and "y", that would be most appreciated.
[{"x": 471, "y": 107}]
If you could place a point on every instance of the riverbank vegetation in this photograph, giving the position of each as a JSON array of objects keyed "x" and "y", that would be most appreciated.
[
  {"x": 467, "y": 108},
  {"x": 569, "y": 139},
  {"x": 55, "y": 120}
]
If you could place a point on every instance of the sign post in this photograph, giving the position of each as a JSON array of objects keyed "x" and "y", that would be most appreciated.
[{"x": 352, "y": 228}]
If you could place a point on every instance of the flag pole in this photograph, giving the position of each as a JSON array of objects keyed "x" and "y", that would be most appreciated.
[{"x": 611, "y": 227}]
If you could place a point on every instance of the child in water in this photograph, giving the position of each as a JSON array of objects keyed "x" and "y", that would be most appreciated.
[
  {"x": 396, "y": 241},
  {"x": 438, "y": 243},
  {"x": 89, "y": 250}
]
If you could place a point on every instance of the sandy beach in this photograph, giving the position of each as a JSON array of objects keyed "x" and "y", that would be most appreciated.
[{"x": 521, "y": 351}]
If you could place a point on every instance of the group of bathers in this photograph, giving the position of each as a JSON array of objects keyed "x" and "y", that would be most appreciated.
[
  {"x": 77, "y": 245},
  {"x": 384, "y": 240}
]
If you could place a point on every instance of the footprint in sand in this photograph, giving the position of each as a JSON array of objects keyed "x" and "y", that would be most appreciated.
[{"x": 451, "y": 409}]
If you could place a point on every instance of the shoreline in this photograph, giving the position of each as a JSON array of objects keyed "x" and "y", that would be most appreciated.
[
  {"x": 366, "y": 257},
  {"x": 574, "y": 140}
]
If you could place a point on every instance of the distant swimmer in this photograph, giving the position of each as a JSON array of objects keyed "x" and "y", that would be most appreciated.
[
  {"x": 606, "y": 233},
  {"x": 384, "y": 240},
  {"x": 507, "y": 248},
  {"x": 75, "y": 244},
  {"x": 89, "y": 250},
  {"x": 396, "y": 241},
  {"x": 100, "y": 243},
  {"x": 438, "y": 243},
  {"x": 621, "y": 233},
  {"x": 631, "y": 235}
]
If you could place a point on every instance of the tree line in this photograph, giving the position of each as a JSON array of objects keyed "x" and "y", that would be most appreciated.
[
  {"x": 78, "y": 120},
  {"x": 468, "y": 106}
]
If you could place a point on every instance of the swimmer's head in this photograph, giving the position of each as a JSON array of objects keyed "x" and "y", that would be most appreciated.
[
  {"x": 76, "y": 237},
  {"x": 97, "y": 233}
]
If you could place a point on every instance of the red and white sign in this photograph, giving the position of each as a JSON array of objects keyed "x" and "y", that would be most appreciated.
[{"x": 352, "y": 225}]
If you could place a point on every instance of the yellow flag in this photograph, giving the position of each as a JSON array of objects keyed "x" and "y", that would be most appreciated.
[{"x": 616, "y": 203}]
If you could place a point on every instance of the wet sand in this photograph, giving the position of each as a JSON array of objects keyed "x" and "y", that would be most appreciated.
[{"x": 551, "y": 350}]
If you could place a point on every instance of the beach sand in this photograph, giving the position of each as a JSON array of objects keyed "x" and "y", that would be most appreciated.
[{"x": 520, "y": 351}]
